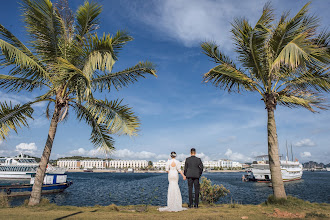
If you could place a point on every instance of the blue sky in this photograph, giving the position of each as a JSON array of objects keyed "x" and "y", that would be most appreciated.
[{"x": 176, "y": 110}]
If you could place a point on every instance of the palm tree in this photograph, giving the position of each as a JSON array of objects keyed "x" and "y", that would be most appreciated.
[
  {"x": 286, "y": 62},
  {"x": 69, "y": 62},
  {"x": 12, "y": 117}
]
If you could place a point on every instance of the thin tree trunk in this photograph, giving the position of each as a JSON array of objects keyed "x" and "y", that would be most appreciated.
[
  {"x": 39, "y": 178},
  {"x": 274, "y": 160}
]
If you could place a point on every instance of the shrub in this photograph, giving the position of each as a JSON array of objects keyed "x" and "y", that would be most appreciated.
[{"x": 211, "y": 193}]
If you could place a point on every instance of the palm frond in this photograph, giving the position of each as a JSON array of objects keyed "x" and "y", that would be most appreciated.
[
  {"x": 26, "y": 66},
  {"x": 13, "y": 83},
  {"x": 250, "y": 43},
  {"x": 100, "y": 135},
  {"x": 87, "y": 18},
  {"x": 12, "y": 117},
  {"x": 43, "y": 24},
  {"x": 118, "y": 118},
  {"x": 298, "y": 98},
  {"x": 226, "y": 74},
  {"x": 123, "y": 78}
]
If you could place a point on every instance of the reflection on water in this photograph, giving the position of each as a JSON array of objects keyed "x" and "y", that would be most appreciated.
[{"x": 89, "y": 189}]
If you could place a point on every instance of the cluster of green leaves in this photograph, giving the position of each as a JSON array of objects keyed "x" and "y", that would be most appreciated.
[
  {"x": 211, "y": 193},
  {"x": 12, "y": 117},
  {"x": 70, "y": 61},
  {"x": 288, "y": 58}
]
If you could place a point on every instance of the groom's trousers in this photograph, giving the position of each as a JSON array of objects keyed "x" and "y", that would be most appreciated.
[{"x": 193, "y": 182}]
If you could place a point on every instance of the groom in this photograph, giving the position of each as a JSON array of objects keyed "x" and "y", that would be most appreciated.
[{"x": 193, "y": 170}]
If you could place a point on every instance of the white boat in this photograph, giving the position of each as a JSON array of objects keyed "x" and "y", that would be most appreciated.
[
  {"x": 21, "y": 167},
  {"x": 291, "y": 170},
  {"x": 328, "y": 168}
]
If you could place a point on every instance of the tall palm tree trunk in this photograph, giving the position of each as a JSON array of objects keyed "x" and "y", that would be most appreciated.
[
  {"x": 39, "y": 178},
  {"x": 274, "y": 160}
]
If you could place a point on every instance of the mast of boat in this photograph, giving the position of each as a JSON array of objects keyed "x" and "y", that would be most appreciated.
[
  {"x": 291, "y": 152},
  {"x": 287, "y": 151}
]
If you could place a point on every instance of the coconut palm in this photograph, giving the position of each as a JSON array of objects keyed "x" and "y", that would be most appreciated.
[
  {"x": 71, "y": 64},
  {"x": 12, "y": 117},
  {"x": 286, "y": 62}
]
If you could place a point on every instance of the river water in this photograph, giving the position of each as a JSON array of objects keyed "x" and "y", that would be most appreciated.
[{"x": 91, "y": 189}]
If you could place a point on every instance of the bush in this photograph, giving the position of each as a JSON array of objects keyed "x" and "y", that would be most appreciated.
[
  {"x": 211, "y": 193},
  {"x": 4, "y": 202}
]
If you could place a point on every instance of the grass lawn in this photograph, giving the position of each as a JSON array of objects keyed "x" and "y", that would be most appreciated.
[{"x": 296, "y": 209}]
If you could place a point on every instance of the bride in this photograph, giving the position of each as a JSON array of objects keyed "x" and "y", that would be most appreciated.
[{"x": 174, "y": 199}]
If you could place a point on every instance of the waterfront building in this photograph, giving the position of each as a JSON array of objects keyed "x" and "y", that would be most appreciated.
[
  {"x": 126, "y": 164},
  {"x": 101, "y": 164},
  {"x": 160, "y": 164},
  {"x": 69, "y": 164}
]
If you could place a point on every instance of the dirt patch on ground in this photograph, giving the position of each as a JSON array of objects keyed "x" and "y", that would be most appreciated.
[{"x": 284, "y": 214}]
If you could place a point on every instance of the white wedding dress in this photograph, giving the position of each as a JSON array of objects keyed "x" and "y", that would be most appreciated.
[{"x": 174, "y": 199}]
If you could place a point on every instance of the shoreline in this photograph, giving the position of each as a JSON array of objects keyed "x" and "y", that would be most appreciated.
[{"x": 145, "y": 171}]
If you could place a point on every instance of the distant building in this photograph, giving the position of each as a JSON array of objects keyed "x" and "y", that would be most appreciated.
[
  {"x": 160, "y": 164},
  {"x": 101, "y": 164},
  {"x": 224, "y": 163},
  {"x": 69, "y": 164}
]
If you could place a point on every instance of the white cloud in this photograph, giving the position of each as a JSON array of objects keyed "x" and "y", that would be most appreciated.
[
  {"x": 305, "y": 154},
  {"x": 194, "y": 21},
  {"x": 26, "y": 148},
  {"x": 305, "y": 143},
  {"x": 235, "y": 156}
]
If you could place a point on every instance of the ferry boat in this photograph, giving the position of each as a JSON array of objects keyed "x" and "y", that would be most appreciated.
[
  {"x": 291, "y": 170},
  {"x": 53, "y": 183},
  {"x": 21, "y": 167}
]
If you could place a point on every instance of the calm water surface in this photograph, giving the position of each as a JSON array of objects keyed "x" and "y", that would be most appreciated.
[{"x": 89, "y": 189}]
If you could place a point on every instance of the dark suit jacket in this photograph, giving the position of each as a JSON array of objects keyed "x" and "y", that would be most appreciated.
[{"x": 193, "y": 167}]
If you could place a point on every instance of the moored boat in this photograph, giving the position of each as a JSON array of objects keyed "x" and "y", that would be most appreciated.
[
  {"x": 53, "y": 183},
  {"x": 21, "y": 167},
  {"x": 291, "y": 170}
]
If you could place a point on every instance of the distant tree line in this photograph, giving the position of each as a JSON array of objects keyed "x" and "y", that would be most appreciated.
[{"x": 313, "y": 165}]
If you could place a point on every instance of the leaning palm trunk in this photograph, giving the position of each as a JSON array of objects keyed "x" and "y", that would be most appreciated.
[
  {"x": 38, "y": 181},
  {"x": 274, "y": 162}
]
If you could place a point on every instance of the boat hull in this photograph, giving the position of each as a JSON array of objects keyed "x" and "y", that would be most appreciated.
[{"x": 25, "y": 189}]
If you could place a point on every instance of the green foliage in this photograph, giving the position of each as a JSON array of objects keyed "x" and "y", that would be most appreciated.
[
  {"x": 12, "y": 117},
  {"x": 211, "y": 193},
  {"x": 4, "y": 201},
  {"x": 71, "y": 61},
  {"x": 287, "y": 59}
]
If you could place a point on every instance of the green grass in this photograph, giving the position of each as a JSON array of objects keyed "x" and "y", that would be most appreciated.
[{"x": 48, "y": 210}]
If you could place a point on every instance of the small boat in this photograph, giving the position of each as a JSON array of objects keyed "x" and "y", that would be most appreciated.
[
  {"x": 53, "y": 183},
  {"x": 328, "y": 168},
  {"x": 88, "y": 170},
  {"x": 260, "y": 172}
]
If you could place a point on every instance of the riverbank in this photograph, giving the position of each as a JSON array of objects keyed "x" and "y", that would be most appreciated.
[{"x": 302, "y": 209}]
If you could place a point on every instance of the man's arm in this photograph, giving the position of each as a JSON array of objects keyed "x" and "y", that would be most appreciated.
[
  {"x": 185, "y": 167},
  {"x": 201, "y": 166}
]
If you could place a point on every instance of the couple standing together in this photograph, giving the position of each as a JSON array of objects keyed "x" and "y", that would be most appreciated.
[{"x": 192, "y": 171}]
